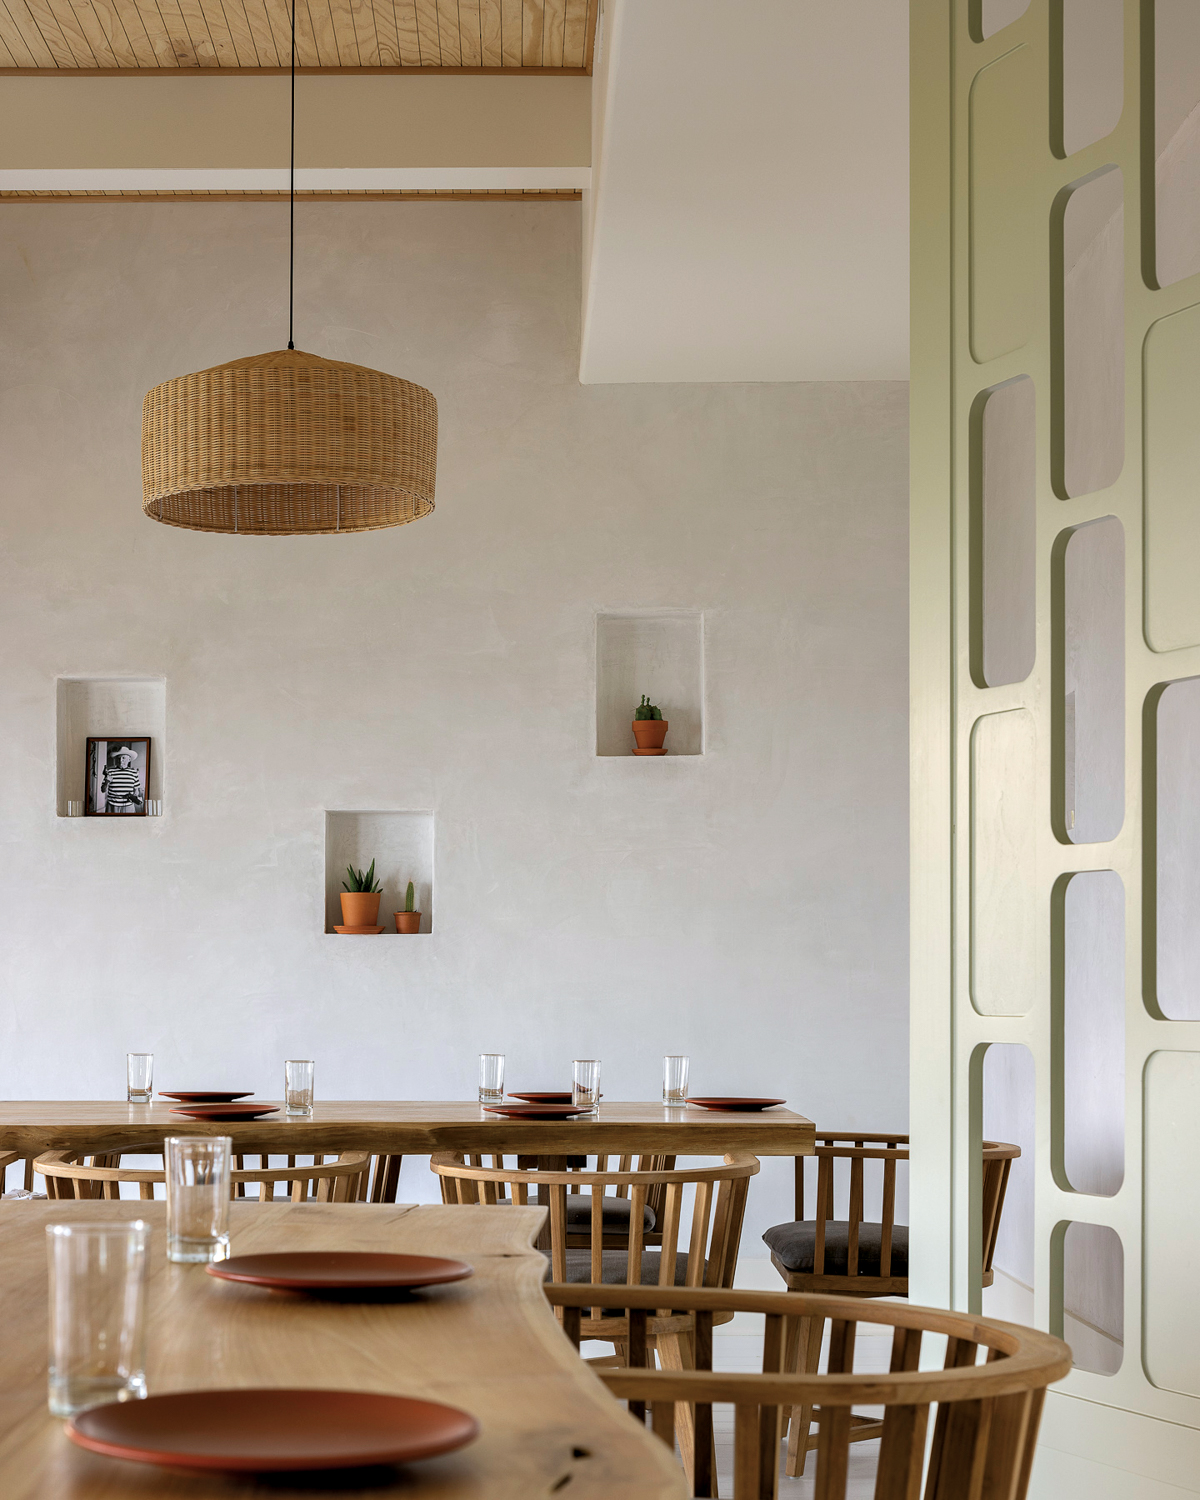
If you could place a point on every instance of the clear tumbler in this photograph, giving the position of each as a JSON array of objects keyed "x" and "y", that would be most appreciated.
[
  {"x": 97, "y": 1313},
  {"x": 298, "y": 1085},
  {"x": 585, "y": 1090},
  {"x": 491, "y": 1078},
  {"x": 198, "y": 1184},
  {"x": 675, "y": 1079},
  {"x": 139, "y": 1072}
]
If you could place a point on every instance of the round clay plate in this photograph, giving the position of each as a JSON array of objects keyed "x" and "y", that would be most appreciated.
[
  {"x": 560, "y": 1096},
  {"x": 338, "y": 1270},
  {"x": 536, "y": 1111},
  {"x": 717, "y": 1102},
  {"x": 264, "y": 1430},
  {"x": 225, "y": 1111},
  {"x": 205, "y": 1096}
]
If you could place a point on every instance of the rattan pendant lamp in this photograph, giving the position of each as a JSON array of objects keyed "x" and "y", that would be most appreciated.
[{"x": 288, "y": 444}]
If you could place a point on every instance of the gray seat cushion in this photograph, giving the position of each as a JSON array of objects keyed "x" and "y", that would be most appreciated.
[
  {"x": 795, "y": 1244},
  {"x": 616, "y": 1214},
  {"x": 614, "y": 1269}
]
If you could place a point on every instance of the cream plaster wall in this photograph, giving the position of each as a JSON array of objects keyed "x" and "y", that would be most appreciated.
[{"x": 747, "y": 905}]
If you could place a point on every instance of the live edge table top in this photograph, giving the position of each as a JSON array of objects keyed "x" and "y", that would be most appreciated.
[{"x": 411, "y": 1128}]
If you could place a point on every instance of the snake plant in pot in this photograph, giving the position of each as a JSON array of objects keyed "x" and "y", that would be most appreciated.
[
  {"x": 408, "y": 920},
  {"x": 360, "y": 897},
  {"x": 649, "y": 728}
]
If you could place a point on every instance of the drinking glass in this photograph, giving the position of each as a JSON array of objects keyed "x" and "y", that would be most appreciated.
[
  {"x": 198, "y": 1183},
  {"x": 675, "y": 1079},
  {"x": 298, "y": 1085},
  {"x": 491, "y": 1077},
  {"x": 585, "y": 1090},
  {"x": 139, "y": 1069},
  {"x": 97, "y": 1313}
]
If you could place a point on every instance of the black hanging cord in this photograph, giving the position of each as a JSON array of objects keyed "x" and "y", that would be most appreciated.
[{"x": 292, "y": 197}]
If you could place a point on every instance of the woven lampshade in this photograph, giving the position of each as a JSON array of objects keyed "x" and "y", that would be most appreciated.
[{"x": 286, "y": 444}]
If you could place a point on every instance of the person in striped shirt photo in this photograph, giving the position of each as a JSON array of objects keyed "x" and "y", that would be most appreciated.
[{"x": 117, "y": 776}]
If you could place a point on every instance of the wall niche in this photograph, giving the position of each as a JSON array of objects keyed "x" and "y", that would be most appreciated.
[
  {"x": 92, "y": 706},
  {"x": 659, "y": 653},
  {"x": 400, "y": 843}
]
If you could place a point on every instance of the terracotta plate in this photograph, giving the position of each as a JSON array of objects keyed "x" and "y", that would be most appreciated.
[
  {"x": 225, "y": 1111},
  {"x": 339, "y": 1270},
  {"x": 718, "y": 1102},
  {"x": 265, "y": 1430},
  {"x": 358, "y": 929},
  {"x": 535, "y": 1111},
  {"x": 650, "y": 752},
  {"x": 205, "y": 1096}
]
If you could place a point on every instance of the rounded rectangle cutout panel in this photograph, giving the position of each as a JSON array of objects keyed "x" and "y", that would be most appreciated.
[
  {"x": 1004, "y": 533},
  {"x": 1004, "y": 915},
  {"x": 1171, "y": 395},
  {"x": 1088, "y": 409},
  {"x": 1090, "y": 796},
  {"x": 1089, "y": 91},
  {"x": 1171, "y": 1216},
  {"x": 1176, "y": 140},
  {"x": 1092, "y": 1074},
  {"x": 1088, "y": 1268},
  {"x": 1008, "y": 1110},
  {"x": 1177, "y": 851}
]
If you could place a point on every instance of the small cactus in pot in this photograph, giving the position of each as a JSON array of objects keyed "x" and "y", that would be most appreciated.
[
  {"x": 408, "y": 920},
  {"x": 649, "y": 728}
]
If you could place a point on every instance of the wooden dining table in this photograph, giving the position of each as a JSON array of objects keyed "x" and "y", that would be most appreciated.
[
  {"x": 489, "y": 1345},
  {"x": 408, "y": 1128}
]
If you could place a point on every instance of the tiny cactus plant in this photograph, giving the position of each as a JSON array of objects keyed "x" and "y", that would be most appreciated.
[
  {"x": 647, "y": 710},
  {"x": 357, "y": 881},
  {"x": 410, "y": 897}
]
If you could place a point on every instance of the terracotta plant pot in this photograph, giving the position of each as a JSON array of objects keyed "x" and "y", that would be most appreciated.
[
  {"x": 650, "y": 733},
  {"x": 360, "y": 908},
  {"x": 407, "y": 921}
]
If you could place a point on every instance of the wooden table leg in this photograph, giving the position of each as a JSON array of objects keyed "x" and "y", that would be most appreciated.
[{"x": 676, "y": 1352}]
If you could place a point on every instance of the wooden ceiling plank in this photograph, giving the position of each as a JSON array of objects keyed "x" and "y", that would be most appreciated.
[
  {"x": 346, "y": 34},
  {"x": 159, "y": 36},
  {"x": 46, "y": 14},
  {"x": 593, "y": 14},
  {"x": 22, "y": 37},
  {"x": 532, "y": 33},
  {"x": 324, "y": 33},
  {"x": 215, "y": 23},
  {"x": 470, "y": 33},
  {"x": 7, "y": 60},
  {"x": 308, "y": 53},
  {"x": 387, "y": 44},
  {"x": 512, "y": 18},
  {"x": 491, "y": 52},
  {"x": 265, "y": 47},
  {"x": 240, "y": 34},
  {"x": 574, "y": 34},
  {"x": 553, "y": 23},
  {"x": 406, "y": 33},
  {"x": 182, "y": 43},
  {"x": 429, "y": 42},
  {"x": 135, "y": 30},
  {"x": 105, "y": 31},
  {"x": 448, "y": 30}
]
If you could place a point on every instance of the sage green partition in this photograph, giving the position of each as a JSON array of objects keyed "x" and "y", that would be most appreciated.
[{"x": 1032, "y": 264}]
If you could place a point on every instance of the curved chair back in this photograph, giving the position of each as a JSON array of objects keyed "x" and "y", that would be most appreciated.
[
  {"x": 985, "y": 1414},
  {"x": 85, "y": 1174},
  {"x": 604, "y": 1205}
]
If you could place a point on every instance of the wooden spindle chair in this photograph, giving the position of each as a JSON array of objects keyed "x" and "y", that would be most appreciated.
[
  {"x": 85, "y": 1174},
  {"x": 985, "y": 1415},
  {"x": 857, "y": 1257},
  {"x": 717, "y": 1201}
]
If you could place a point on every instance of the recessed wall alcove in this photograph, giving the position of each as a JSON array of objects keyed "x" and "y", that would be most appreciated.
[
  {"x": 659, "y": 653},
  {"x": 91, "y": 706},
  {"x": 400, "y": 843}
]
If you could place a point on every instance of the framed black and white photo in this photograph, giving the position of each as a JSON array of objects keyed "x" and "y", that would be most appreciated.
[{"x": 118, "y": 775}]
